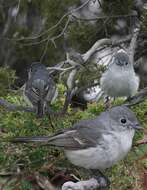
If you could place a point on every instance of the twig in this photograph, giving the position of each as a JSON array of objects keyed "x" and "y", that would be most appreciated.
[
  {"x": 138, "y": 98},
  {"x": 18, "y": 7},
  {"x": 60, "y": 69},
  {"x": 7, "y": 181},
  {"x": 52, "y": 28},
  {"x": 13, "y": 107},
  {"x": 44, "y": 183},
  {"x": 133, "y": 45},
  {"x": 104, "y": 17},
  {"x": 44, "y": 52},
  {"x": 71, "y": 78},
  {"x": 93, "y": 49},
  {"x": 48, "y": 37}
]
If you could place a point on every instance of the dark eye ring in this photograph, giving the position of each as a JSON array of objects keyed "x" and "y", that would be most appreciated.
[
  {"x": 123, "y": 120},
  {"x": 126, "y": 63}
]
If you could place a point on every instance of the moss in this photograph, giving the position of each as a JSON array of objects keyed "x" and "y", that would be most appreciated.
[{"x": 32, "y": 157}]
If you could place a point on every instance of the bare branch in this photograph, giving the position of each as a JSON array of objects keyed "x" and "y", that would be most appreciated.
[
  {"x": 44, "y": 183},
  {"x": 71, "y": 78},
  {"x": 104, "y": 17},
  {"x": 138, "y": 98},
  {"x": 44, "y": 51},
  {"x": 96, "y": 45},
  {"x": 50, "y": 29},
  {"x": 133, "y": 45},
  {"x": 61, "y": 69},
  {"x": 13, "y": 107},
  {"x": 48, "y": 39}
]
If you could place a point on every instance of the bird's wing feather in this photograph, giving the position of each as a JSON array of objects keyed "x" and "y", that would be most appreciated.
[{"x": 82, "y": 135}]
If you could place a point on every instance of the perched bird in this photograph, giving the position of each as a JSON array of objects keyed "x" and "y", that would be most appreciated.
[
  {"x": 40, "y": 88},
  {"x": 74, "y": 57},
  {"x": 97, "y": 143},
  {"x": 120, "y": 80}
]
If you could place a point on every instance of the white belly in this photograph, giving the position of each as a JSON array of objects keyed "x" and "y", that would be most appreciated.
[
  {"x": 122, "y": 84},
  {"x": 105, "y": 155}
]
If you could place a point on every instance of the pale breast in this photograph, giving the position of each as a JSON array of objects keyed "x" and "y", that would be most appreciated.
[
  {"x": 119, "y": 84},
  {"x": 113, "y": 148}
]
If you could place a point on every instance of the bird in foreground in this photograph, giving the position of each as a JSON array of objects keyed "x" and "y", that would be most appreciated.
[
  {"x": 95, "y": 144},
  {"x": 120, "y": 79},
  {"x": 40, "y": 88}
]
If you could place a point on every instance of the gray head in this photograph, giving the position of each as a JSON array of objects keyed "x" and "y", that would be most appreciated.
[
  {"x": 39, "y": 79},
  {"x": 121, "y": 118},
  {"x": 121, "y": 59},
  {"x": 35, "y": 66}
]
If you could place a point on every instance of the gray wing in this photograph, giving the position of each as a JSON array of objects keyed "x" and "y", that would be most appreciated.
[
  {"x": 85, "y": 134},
  {"x": 81, "y": 136}
]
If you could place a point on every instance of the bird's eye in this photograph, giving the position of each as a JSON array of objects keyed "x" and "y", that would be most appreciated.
[
  {"x": 123, "y": 121},
  {"x": 126, "y": 63}
]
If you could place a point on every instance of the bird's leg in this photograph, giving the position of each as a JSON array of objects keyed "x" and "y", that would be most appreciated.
[
  {"x": 102, "y": 180},
  {"x": 107, "y": 102},
  {"x": 129, "y": 99},
  {"x": 50, "y": 119}
]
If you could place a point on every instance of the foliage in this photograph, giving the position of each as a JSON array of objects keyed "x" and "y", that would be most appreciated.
[{"x": 7, "y": 79}]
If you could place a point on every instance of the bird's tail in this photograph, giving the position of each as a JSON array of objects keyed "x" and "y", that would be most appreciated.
[{"x": 29, "y": 139}]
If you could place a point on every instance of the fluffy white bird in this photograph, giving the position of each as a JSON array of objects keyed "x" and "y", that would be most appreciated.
[{"x": 120, "y": 80}]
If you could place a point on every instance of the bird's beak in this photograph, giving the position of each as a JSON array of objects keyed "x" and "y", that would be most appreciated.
[{"x": 137, "y": 126}]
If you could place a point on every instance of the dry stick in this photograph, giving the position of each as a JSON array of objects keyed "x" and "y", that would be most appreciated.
[
  {"x": 93, "y": 49},
  {"x": 48, "y": 37},
  {"x": 13, "y": 107},
  {"x": 138, "y": 98},
  {"x": 44, "y": 183},
  {"x": 44, "y": 51},
  {"x": 104, "y": 17},
  {"x": 133, "y": 44}
]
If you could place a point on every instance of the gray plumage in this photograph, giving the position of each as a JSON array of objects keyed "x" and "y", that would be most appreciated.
[
  {"x": 97, "y": 143},
  {"x": 120, "y": 79},
  {"x": 74, "y": 56},
  {"x": 40, "y": 89}
]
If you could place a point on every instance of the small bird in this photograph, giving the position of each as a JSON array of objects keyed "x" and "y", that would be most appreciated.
[
  {"x": 40, "y": 88},
  {"x": 98, "y": 143},
  {"x": 74, "y": 56},
  {"x": 120, "y": 80}
]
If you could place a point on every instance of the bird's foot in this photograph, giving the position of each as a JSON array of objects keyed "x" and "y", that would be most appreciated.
[{"x": 107, "y": 102}]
